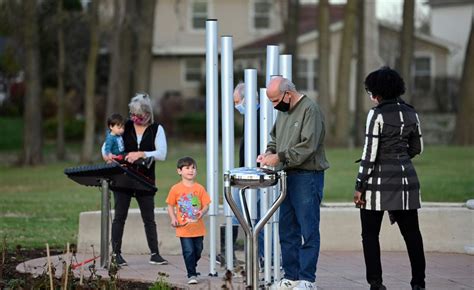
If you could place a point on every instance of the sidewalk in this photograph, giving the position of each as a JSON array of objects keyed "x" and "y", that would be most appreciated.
[{"x": 336, "y": 270}]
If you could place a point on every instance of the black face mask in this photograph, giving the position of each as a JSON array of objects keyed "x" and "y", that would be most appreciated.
[{"x": 282, "y": 106}]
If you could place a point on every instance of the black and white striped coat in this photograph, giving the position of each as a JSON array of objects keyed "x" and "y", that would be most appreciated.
[{"x": 387, "y": 177}]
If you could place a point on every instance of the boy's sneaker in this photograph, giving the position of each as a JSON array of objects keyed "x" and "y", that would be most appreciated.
[
  {"x": 119, "y": 260},
  {"x": 157, "y": 259},
  {"x": 192, "y": 280},
  {"x": 306, "y": 285},
  {"x": 285, "y": 284}
]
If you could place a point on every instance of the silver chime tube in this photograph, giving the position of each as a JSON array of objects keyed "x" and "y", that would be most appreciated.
[
  {"x": 267, "y": 114},
  {"x": 272, "y": 62},
  {"x": 250, "y": 132},
  {"x": 266, "y": 123},
  {"x": 227, "y": 83},
  {"x": 285, "y": 63},
  {"x": 212, "y": 148}
]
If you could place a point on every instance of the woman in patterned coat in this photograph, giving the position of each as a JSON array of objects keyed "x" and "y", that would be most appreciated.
[{"x": 387, "y": 180}]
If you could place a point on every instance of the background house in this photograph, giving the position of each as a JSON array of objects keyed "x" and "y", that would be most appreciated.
[
  {"x": 179, "y": 46},
  {"x": 451, "y": 20}
]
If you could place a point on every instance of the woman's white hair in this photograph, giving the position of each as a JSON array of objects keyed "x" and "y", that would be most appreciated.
[{"x": 141, "y": 105}]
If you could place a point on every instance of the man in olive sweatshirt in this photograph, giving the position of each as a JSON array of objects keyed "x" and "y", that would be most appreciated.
[{"x": 297, "y": 147}]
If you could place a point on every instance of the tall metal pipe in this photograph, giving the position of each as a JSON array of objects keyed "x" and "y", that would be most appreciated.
[
  {"x": 266, "y": 124},
  {"x": 250, "y": 133},
  {"x": 267, "y": 114},
  {"x": 272, "y": 62},
  {"x": 212, "y": 135},
  {"x": 285, "y": 63},
  {"x": 227, "y": 83}
]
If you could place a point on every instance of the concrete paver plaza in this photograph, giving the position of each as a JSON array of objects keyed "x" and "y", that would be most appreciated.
[{"x": 336, "y": 270}]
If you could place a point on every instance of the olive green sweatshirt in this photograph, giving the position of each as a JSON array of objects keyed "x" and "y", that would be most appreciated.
[{"x": 298, "y": 136}]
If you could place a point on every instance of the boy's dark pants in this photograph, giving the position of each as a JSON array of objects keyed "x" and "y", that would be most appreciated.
[
  {"x": 192, "y": 249},
  {"x": 407, "y": 221}
]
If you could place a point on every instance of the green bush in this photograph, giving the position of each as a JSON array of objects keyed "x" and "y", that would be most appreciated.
[
  {"x": 73, "y": 129},
  {"x": 11, "y": 130},
  {"x": 191, "y": 125}
]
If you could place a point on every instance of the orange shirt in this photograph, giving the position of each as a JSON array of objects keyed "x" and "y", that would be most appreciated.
[{"x": 187, "y": 201}]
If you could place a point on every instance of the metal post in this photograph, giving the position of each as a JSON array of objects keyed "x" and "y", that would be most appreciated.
[
  {"x": 250, "y": 131},
  {"x": 104, "y": 224},
  {"x": 227, "y": 81},
  {"x": 211, "y": 135}
]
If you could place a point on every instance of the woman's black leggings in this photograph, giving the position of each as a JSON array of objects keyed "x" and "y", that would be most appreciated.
[{"x": 407, "y": 221}]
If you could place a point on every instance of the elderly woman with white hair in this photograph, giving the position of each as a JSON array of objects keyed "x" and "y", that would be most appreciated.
[{"x": 143, "y": 138}]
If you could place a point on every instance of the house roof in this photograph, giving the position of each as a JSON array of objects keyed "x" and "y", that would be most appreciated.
[
  {"x": 308, "y": 30},
  {"x": 308, "y": 14}
]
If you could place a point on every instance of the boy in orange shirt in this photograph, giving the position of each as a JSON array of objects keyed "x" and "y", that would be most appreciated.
[{"x": 187, "y": 202}]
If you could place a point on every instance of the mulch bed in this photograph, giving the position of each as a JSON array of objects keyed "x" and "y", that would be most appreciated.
[{"x": 11, "y": 279}]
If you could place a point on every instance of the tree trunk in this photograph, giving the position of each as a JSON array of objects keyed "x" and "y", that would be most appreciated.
[
  {"x": 89, "y": 131},
  {"x": 324, "y": 46},
  {"x": 120, "y": 60},
  {"x": 342, "y": 122},
  {"x": 359, "y": 116},
  {"x": 32, "y": 131},
  {"x": 464, "y": 133},
  {"x": 291, "y": 34},
  {"x": 144, "y": 31},
  {"x": 60, "y": 142},
  {"x": 407, "y": 46}
]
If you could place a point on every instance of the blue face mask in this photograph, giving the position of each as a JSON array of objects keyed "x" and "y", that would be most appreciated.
[{"x": 240, "y": 107}]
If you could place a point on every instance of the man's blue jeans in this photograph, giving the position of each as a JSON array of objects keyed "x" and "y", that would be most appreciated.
[
  {"x": 299, "y": 224},
  {"x": 192, "y": 249}
]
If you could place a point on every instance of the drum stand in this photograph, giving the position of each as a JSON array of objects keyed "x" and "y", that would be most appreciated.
[{"x": 251, "y": 232}]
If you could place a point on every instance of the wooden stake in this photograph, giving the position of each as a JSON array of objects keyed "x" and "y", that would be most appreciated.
[
  {"x": 82, "y": 269},
  {"x": 49, "y": 267},
  {"x": 67, "y": 266}
]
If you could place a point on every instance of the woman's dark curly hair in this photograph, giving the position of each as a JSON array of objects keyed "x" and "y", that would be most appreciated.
[{"x": 386, "y": 83}]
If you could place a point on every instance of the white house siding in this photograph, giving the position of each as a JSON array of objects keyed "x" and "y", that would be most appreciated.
[{"x": 453, "y": 23}]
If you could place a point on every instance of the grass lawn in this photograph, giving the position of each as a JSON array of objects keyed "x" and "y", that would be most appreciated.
[{"x": 40, "y": 204}]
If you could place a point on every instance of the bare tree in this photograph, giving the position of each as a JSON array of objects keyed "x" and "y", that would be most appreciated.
[
  {"x": 121, "y": 58},
  {"x": 464, "y": 133},
  {"x": 324, "y": 46},
  {"x": 94, "y": 27},
  {"x": 342, "y": 122},
  {"x": 32, "y": 132},
  {"x": 360, "y": 89},
  {"x": 407, "y": 45},
  {"x": 291, "y": 33},
  {"x": 60, "y": 142},
  {"x": 144, "y": 32}
]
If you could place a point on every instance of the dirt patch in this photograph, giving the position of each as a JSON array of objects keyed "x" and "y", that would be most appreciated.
[{"x": 11, "y": 279}]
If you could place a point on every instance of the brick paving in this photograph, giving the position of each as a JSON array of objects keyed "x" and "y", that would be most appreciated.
[{"x": 336, "y": 270}]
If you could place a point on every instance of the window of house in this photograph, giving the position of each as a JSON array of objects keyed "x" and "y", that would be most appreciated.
[
  {"x": 199, "y": 14},
  {"x": 307, "y": 75},
  {"x": 422, "y": 74},
  {"x": 193, "y": 70},
  {"x": 302, "y": 75},
  {"x": 261, "y": 14}
]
